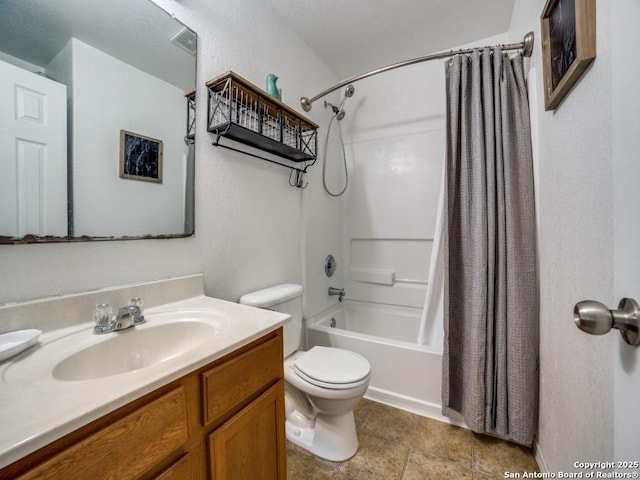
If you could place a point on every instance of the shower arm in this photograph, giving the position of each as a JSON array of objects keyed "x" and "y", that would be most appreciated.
[{"x": 526, "y": 46}]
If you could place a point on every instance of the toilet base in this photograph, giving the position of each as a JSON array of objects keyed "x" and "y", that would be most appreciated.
[{"x": 332, "y": 437}]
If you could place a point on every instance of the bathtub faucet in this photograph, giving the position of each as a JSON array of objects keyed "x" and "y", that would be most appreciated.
[{"x": 337, "y": 291}]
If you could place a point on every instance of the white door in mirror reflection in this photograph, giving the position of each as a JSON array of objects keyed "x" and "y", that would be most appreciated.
[{"x": 33, "y": 133}]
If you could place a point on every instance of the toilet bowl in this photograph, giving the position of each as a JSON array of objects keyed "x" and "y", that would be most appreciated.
[
  {"x": 322, "y": 385},
  {"x": 322, "y": 421}
]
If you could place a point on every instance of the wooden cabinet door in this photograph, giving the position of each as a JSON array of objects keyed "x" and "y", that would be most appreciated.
[
  {"x": 251, "y": 445},
  {"x": 186, "y": 468}
]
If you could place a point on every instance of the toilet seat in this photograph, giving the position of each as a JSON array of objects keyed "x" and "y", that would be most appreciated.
[{"x": 333, "y": 368}]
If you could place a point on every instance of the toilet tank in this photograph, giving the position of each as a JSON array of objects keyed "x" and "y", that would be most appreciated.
[{"x": 286, "y": 298}]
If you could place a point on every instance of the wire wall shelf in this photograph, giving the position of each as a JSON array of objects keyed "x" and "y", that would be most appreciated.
[
  {"x": 191, "y": 116},
  {"x": 243, "y": 112}
]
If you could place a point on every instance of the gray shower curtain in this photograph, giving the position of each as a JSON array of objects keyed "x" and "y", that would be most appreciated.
[{"x": 490, "y": 360}]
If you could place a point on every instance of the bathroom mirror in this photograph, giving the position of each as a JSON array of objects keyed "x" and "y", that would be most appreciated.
[{"x": 96, "y": 121}]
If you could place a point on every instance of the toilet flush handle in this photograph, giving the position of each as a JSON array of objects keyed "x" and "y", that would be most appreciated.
[{"x": 595, "y": 318}]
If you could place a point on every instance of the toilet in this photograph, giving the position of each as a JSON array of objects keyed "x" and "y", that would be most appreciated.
[{"x": 322, "y": 385}]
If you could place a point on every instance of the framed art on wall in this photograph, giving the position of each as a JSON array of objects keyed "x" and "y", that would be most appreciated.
[
  {"x": 140, "y": 157},
  {"x": 568, "y": 45}
]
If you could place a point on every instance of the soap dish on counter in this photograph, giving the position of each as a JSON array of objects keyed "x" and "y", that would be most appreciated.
[{"x": 13, "y": 343}]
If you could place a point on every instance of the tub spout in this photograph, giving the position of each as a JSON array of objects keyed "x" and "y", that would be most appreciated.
[{"x": 337, "y": 291}]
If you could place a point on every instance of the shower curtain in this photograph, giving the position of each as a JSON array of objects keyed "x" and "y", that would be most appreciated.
[
  {"x": 490, "y": 354},
  {"x": 434, "y": 298}
]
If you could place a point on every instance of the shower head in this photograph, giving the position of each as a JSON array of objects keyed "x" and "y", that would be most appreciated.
[{"x": 337, "y": 112}]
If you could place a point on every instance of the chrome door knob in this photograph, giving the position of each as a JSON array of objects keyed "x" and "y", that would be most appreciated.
[{"x": 595, "y": 318}]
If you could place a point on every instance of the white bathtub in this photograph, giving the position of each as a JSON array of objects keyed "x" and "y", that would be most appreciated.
[{"x": 403, "y": 373}]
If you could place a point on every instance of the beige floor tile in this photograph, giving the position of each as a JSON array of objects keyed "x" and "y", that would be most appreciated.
[
  {"x": 302, "y": 467},
  {"x": 363, "y": 410},
  {"x": 428, "y": 467},
  {"x": 443, "y": 440},
  {"x": 327, "y": 464},
  {"x": 495, "y": 457},
  {"x": 483, "y": 476},
  {"x": 390, "y": 423},
  {"x": 438, "y": 451},
  {"x": 377, "y": 459}
]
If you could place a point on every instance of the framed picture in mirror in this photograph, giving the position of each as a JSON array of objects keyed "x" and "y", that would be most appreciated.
[
  {"x": 568, "y": 45},
  {"x": 140, "y": 157}
]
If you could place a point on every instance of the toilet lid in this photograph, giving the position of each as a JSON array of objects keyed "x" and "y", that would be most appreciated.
[{"x": 332, "y": 367}]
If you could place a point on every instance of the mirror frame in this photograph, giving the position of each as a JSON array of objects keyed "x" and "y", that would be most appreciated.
[{"x": 190, "y": 115}]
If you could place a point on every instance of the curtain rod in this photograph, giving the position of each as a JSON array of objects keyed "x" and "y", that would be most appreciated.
[{"x": 526, "y": 46}]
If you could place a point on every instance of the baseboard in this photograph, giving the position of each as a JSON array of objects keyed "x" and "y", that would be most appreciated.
[
  {"x": 539, "y": 457},
  {"x": 413, "y": 405}
]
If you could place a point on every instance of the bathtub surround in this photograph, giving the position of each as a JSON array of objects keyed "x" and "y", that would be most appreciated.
[
  {"x": 491, "y": 305},
  {"x": 386, "y": 336},
  {"x": 385, "y": 228}
]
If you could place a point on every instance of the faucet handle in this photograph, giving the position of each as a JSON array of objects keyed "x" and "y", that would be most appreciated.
[
  {"x": 137, "y": 301},
  {"x": 138, "y": 318},
  {"x": 102, "y": 314}
]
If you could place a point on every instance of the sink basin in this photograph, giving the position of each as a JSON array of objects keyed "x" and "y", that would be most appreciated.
[{"x": 134, "y": 349}]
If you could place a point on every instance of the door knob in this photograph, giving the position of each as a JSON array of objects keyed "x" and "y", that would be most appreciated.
[{"x": 595, "y": 318}]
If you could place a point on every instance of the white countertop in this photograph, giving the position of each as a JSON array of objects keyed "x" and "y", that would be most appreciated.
[{"x": 36, "y": 408}]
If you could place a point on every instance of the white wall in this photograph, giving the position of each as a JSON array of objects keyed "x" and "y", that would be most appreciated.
[
  {"x": 248, "y": 218},
  {"x": 105, "y": 96},
  {"x": 575, "y": 197},
  {"x": 108, "y": 96}
]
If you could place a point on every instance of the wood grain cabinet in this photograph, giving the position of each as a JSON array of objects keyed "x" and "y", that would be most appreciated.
[
  {"x": 243, "y": 448},
  {"x": 223, "y": 421}
]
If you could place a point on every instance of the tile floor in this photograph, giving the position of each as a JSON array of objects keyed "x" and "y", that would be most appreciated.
[{"x": 398, "y": 445}]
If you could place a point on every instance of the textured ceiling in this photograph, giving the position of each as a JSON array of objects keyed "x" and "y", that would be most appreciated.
[
  {"x": 354, "y": 36},
  {"x": 350, "y": 36}
]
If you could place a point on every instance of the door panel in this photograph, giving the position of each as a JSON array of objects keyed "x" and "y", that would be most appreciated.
[
  {"x": 33, "y": 176},
  {"x": 251, "y": 446}
]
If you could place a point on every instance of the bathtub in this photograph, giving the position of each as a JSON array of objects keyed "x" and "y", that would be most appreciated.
[{"x": 403, "y": 374}]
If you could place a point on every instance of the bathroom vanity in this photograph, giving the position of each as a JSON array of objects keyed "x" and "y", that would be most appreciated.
[{"x": 213, "y": 412}]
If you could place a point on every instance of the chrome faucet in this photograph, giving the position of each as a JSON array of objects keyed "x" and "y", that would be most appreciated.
[
  {"x": 337, "y": 291},
  {"x": 127, "y": 317}
]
